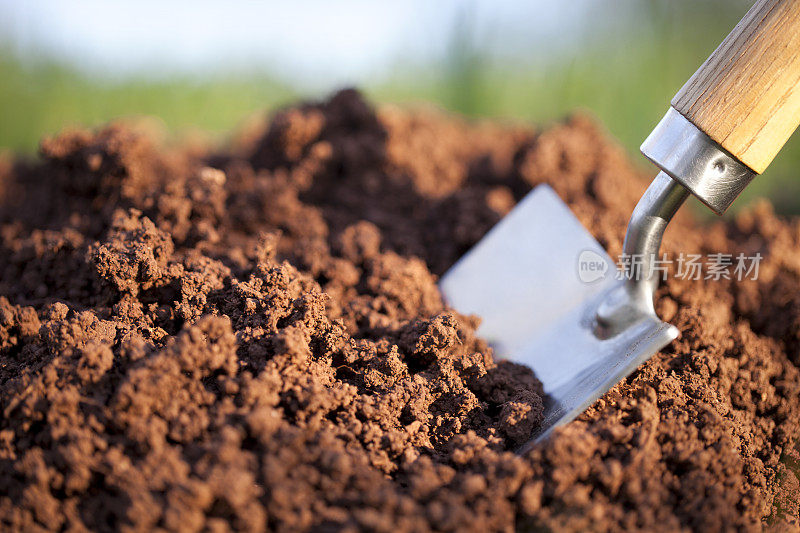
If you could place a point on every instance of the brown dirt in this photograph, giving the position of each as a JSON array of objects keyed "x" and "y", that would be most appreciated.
[{"x": 254, "y": 340}]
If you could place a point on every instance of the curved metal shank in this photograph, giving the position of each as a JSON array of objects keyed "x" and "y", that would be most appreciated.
[
  {"x": 691, "y": 162},
  {"x": 627, "y": 302},
  {"x": 658, "y": 205}
]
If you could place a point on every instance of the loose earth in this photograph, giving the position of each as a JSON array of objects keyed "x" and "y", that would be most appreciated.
[{"x": 251, "y": 338}]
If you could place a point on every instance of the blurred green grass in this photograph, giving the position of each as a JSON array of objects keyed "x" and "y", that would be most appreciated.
[
  {"x": 41, "y": 97},
  {"x": 624, "y": 73}
]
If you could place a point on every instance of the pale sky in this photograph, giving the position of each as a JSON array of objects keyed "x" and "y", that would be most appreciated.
[{"x": 305, "y": 41}]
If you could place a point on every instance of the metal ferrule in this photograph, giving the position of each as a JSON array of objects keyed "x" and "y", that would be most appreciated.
[{"x": 696, "y": 161}]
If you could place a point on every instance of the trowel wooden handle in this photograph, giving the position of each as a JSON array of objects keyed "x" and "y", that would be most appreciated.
[{"x": 746, "y": 96}]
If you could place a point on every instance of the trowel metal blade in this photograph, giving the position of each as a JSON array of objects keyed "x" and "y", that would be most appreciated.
[{"x": 536, "y": 280}]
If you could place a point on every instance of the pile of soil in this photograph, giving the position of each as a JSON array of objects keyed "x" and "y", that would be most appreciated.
[{"x": 253, "y": 340}]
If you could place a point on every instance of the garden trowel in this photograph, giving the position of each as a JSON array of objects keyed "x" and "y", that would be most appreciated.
[{"x": 551, "y": 298}]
